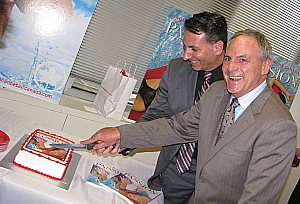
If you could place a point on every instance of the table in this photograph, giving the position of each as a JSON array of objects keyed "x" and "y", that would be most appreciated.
[{"x": 16, "y": 187}]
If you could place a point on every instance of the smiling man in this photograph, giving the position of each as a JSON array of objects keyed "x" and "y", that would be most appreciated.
[
  {"x": 247, "y": 162},
  {"x": 244, "y": 68},
  {"x": 204, "y": 44}
]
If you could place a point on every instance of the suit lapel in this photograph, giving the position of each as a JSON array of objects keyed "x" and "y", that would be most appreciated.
[
  {"x": 219, "y": 107},
  {"x": 190, "y": 87},
  {"x": 243, "y": 122},
  {"x": 212, "y": 124},
  {"x": 187, "y": 77}
]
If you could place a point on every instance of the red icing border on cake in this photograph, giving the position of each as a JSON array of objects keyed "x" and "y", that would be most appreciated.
[
  {"x": 65, "y": 162},
  {"x": 43, "y": 174}
]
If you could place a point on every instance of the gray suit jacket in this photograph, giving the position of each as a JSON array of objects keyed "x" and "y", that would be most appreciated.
[
  {"x": 248, "y": 165},
  {"x": 176, "y": 93}
]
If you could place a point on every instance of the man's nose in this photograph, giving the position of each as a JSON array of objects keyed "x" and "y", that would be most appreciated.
[
  {"x": 186, "y": 54},
  {"x": 231, "y": 66}
]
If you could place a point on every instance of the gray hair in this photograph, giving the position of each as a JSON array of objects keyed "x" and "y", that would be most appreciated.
[{"x": 265, "y": 49}]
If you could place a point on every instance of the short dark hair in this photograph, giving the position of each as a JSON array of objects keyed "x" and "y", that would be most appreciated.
[{"x": 212, "y": 24}]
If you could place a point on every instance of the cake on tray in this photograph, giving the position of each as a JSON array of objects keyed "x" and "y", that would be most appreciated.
[{"x": 36, "y": 155}]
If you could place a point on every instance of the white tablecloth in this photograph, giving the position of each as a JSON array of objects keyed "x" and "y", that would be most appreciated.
[{"x": 19, "y": 188}]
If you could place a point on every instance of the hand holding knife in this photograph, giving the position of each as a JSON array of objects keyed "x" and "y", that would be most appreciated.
[{"x": 109, "y": 135}]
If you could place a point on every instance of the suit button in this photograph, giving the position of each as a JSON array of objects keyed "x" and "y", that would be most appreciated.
[{"x": 201, "y": 180}]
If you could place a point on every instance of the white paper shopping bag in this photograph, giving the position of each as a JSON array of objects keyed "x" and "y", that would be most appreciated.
[{"x": 114, "y": 92}]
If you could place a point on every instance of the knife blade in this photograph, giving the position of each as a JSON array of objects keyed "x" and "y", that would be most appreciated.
[{"x": 76, "y": 146}]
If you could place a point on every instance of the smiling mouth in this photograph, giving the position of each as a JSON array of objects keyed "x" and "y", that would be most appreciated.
[
  {"x": 194, "y": 61},
  {"x": 234, "y": 78}
]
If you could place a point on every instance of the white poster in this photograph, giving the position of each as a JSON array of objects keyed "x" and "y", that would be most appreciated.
[{"x": 40, "y": 43}]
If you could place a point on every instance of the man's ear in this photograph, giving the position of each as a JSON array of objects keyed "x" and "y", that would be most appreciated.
[
  {"x": 218, "y": 47},
  {"x": 266, "y": 67}
]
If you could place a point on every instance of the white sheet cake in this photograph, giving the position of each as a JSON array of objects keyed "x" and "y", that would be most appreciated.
[{"x": 36, "y": 155}]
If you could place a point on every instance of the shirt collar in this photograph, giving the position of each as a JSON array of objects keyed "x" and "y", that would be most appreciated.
[
  {"x": 216, "y": 73},
  {"x": 247, "y": 99}
]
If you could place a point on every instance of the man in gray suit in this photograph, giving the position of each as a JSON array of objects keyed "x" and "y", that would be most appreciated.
[
  {"x": 250, "y": 162},
  {"x": 205, "y": 39}
]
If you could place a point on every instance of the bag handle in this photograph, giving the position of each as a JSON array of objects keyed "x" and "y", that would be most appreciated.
[
  {"x": 121, "y": 61},
  {"x": 134, "y": 69},
  {"x": 124, "y": 68}
]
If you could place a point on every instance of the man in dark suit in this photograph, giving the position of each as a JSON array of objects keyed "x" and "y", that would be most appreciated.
[
  {"x": 249, "y": 162},
  {"x": 205, "y": 39}
]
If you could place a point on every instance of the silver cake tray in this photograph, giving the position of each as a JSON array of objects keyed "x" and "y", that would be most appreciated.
[{"x": 7, "y": 162}]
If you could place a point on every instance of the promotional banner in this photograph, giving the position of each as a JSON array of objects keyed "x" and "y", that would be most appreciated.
[
  {"x": 40, "y": 42},
  {"x": 169, "y": 46},
  {"x": 288, "y": 74}
]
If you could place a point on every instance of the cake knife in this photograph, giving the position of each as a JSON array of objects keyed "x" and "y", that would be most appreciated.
[
  {"x": 77, "y": 146},
  {"x": 74, "y": 146}
]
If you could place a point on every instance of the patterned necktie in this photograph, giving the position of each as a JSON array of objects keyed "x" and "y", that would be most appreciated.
[
  {"x": 186, "y": 150},
  {"x": 228, "y": 118},
  {"x": 205, "y": 85}
]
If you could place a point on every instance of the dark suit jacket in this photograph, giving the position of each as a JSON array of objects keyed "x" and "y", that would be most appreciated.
[
  {"x": 175, "y": 94},
  {"x": 248, "y": 165}
]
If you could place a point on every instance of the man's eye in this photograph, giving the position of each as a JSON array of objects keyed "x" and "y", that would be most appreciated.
[
  {"x": 242, "y": 60},
  {"x": 226, "y": 59}
]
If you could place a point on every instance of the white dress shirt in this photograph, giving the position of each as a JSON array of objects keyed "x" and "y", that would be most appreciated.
[{"x": 247, "y": 99}]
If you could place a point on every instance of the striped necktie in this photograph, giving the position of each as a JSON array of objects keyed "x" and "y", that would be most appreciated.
[
  {"x": 186, "y": 151},
  {"x": 205, "y": 85},
  {"x": 228, "y": 118}
]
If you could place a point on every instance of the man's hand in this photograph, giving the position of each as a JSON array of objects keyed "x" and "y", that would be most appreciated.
[{"x": 108, "y": 141}]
